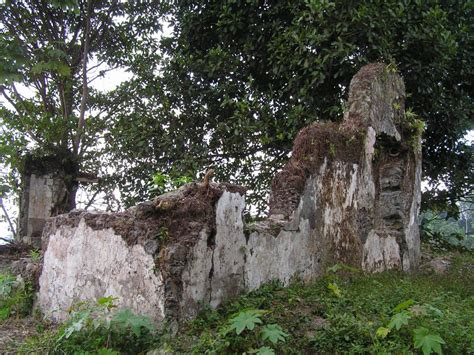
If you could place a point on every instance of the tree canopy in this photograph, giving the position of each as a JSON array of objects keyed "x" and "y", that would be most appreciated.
[
  {"x": 50, "y": 54},
  {"x": 240, "y": 78},
  {"x": 230, "y": 86}
]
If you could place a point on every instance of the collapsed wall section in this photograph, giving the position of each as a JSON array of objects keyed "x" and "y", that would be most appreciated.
[
  {"x": 349, "y": 194},
  {"x": 368, "y": 172}
]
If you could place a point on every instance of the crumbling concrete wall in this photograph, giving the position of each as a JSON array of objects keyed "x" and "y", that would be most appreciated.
[
  {"x": 349, "y": 194},
  {"x": 48, "y": 189},
  {"x": 360, "y": 180},
  {"x": 163, "y": 258}
]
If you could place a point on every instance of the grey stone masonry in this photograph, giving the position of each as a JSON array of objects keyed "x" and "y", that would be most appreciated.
[{"x": 47, "y": 191}]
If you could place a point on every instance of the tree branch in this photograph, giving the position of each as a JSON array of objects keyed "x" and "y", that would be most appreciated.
[
  {"x": 82, "y": 111},
  {"x": 101, "y": 73},
  {"x": 21, "y": 115},
  {"x": 91, "y": 200},
  {"x": 96, "y": 66},
  {"x": 12, "y": 228},
  {"x": 9, "y": 241}
]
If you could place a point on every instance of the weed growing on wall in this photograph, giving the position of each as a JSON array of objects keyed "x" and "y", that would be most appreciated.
[
  {"x": 35, "y": 255},
  {"x": 414, "y": 128}
]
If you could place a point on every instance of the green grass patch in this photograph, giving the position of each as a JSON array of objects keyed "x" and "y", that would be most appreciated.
[
  {"x": 348, "y": 312},
  {"x": 16, "y": 297}
]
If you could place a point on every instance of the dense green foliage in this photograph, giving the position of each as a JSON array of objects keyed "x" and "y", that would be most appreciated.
[
  {"x": 446, "y": 233},
  {"x": 16, "y": 297},
  {"x": 229, "y": 88},
  {"x": 240, "y": 78},
  {"x": 381, "y": 313},
  {"x": 51, "y": 52},
  {"x": 95, "y": 329}
]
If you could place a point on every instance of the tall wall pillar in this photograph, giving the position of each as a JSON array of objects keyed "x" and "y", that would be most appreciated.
[{"x": 48, "y": 189}]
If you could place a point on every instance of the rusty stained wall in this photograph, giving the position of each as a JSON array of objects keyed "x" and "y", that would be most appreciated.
[{"x": 350, "y": 193}]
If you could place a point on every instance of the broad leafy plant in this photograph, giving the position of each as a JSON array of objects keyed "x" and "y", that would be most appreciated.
[
  {"x": 250, "y": 321},
  {"x": 423, "y": 338},
  {"x": 244, "y": 332},
  {"x": 102, "y": 327}
]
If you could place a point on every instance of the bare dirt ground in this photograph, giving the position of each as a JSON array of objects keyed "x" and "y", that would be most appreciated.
[{"x": 15, "y": 331}]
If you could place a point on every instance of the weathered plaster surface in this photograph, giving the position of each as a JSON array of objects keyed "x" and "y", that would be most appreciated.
[
  {"x": 411, "y": 256},
  {"x": 292, "y": 256},
  {"x": 40, "y": 196},
  {"x": 196, "y": 281},
  {"x": 84, "y": 264},
  {"x": 380, "y": 253},
  {"x": 227, "y": 275}
]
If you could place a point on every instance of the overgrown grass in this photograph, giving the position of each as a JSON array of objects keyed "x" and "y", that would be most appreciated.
[
  {"x": 95, "y": 328},
  {"x": 357, "y": 313},
  {"x": 16, "y": 297},
  {"x": 345, "y": 311}
]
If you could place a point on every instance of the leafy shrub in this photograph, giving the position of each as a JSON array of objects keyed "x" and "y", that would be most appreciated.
[
  {"x": 443, "y": 234},
  {"x": 345, "y": 312},
  {"x": 447, "y": 242},
  {"x": 100, "y": 329},
  {"x": 162, "y": 183},
  {"x": 16, "y": 297}
]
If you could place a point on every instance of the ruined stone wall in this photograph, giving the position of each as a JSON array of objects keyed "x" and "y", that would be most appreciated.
[
  {"x": 349, "y": 194},
  {"x": 361, "y": 178},
  {"x": 46, "y": 192}
]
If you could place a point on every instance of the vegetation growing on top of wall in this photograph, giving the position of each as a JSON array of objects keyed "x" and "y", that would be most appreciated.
[
  {"x": 39, "y": 164},
  {"x": 413, "y": 128},
  {"x": 162, "y": 183},
  {"x": 313, "y": 145}
]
